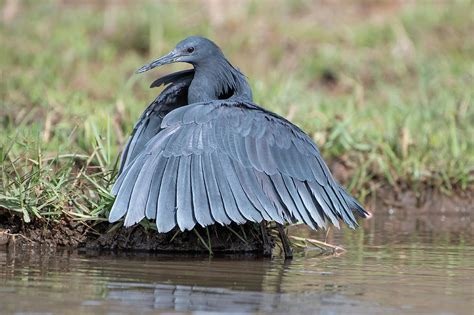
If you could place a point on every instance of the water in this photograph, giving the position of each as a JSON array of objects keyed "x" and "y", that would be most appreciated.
[{"x": 393, "y": 265}]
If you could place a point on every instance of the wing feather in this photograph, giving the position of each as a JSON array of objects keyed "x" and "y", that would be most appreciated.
[
  {"x": 305, "y": 196},
  {"x": 255, "y": 190},
  {"x": 290, "y": 185},
  {"x": 152, "y": 202},
  {"x": 150, "y": 123},
  {"x": 213, "y": 192},
  {"x": 243, "y": 203},
  {"x": 228, "y": 199},
  {"x": 121, "y": 204},
  {"x": 322, "y": 198},
  {"x": 249, "y": 190},
  {"x": 184, "y": 204},
  {"x": 251, "y": 148},
  {"x": 201, "y": 207},
  {"x": 284, "y": 195},
  {"x": 271, "y": 192},
  {"x": 139, "y": 197},
  {"x": 166, "y": 208}
]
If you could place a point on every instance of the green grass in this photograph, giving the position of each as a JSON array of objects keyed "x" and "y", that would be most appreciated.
[{"x": 389, "y": 93}]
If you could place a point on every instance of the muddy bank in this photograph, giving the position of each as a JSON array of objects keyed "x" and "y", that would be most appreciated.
[
  {"x": 407, "y": 211},
  {"x": 216, "y": 238},
  {"x": 389, "y": 200},
  {"x": 104, "y": 236}
]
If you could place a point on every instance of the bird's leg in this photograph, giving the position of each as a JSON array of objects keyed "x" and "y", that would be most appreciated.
[
  {"x": 267, "y": 246},
  {"x": 285, "y": 242}
]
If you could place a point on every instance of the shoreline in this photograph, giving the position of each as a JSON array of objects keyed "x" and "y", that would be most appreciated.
[{"x": 384, "y": 201}]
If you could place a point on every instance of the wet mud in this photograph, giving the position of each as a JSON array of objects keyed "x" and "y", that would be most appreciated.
[{"x": 216, "y": 239}]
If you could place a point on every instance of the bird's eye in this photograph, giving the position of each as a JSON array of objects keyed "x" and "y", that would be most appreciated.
[{"x": 190, "y": 49}]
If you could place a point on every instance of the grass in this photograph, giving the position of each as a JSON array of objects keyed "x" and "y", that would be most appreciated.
[{"x": 384, "y": 88}]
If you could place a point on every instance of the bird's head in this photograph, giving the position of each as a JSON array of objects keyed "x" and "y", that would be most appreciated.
[{"x": 193, "y": 50}]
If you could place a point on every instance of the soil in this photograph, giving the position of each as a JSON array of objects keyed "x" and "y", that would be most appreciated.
[{"x": 233, "y": 239}]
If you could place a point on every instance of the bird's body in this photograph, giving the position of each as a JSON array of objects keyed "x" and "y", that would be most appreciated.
[{"x": 204, "y": 153}]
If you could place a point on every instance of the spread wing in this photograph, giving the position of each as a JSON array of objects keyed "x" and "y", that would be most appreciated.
[
  {"x": 230, "y": 161},
  {"x": 149, "y": 124}
]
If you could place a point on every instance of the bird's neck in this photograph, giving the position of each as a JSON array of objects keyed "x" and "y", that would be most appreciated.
[{"x": 217, "y": 79}]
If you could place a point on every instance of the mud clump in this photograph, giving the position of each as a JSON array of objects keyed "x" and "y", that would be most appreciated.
[{"x": 52, "y": 234}]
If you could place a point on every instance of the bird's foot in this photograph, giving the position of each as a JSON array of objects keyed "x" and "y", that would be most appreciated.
[
  {"x": 267, "y": 246},
  {"x": 285, "y": 242}
]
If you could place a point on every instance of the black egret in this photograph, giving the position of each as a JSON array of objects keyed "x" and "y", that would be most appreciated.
[{"x": 204, "y": 153}]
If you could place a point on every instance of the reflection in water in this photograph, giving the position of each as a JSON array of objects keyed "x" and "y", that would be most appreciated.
[
  {"x": 194, "y": 298},
  {"x": 384, "y": 271}
]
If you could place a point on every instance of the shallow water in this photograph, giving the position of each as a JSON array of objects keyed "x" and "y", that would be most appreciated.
[{"x": 393, "y": 265}]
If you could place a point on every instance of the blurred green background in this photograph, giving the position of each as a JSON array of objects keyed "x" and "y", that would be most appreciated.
[{"x": 385, "y": 88}]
